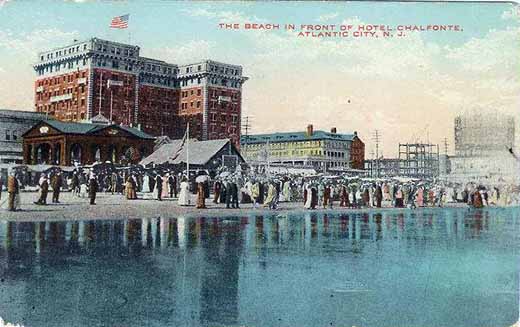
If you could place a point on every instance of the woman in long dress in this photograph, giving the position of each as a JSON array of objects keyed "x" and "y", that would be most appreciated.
[
  {"x": 308, "y": 196},
  {"x": 201, "y": 198},
  {"x": 420, "y": 197},
  {"x": 129, "y": 188},
  {"x": 146, "y": 184},
  {"x": 165, "y": 187},
  {"x": 287, "y": 191},
  {"x": 184, "y": 194},
  {"x": 270, "y": 195}
]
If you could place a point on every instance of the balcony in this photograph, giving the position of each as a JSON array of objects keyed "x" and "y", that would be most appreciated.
[{"x": 63, "y": 97}]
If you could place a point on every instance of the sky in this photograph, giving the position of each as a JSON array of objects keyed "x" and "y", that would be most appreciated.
[{"x": 408, "y": 88}]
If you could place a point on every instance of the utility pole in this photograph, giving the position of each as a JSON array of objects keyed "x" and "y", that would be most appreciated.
[
  {"x": 246, "y": 127},
  {"x": 376, "y": 138}
]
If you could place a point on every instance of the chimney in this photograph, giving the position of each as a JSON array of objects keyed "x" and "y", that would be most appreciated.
[
  {"x": 333, "y": 130},
  {"x": 309, "y": 130}
]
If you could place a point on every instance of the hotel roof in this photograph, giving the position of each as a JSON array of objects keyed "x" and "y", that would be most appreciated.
[
  {"x": 295, "y": 137},
  {"x": 87, "y": 128}
]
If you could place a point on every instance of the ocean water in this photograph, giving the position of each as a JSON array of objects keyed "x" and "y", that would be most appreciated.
[{"x": 429, "y": 267}]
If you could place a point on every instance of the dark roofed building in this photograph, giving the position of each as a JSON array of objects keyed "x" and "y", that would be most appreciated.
[
  {"x": 202, "y": 154},
  {"x": 65, "y": 143},
  {"x": 314, "y": 149},
  {"x": 13, "y": 123}
]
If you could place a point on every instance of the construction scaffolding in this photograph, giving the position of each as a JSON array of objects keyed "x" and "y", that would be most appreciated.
[{"x": 419, "y": 160}]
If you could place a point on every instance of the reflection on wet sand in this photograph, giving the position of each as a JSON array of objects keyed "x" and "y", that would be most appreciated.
[{"x": 202, "y": 271}]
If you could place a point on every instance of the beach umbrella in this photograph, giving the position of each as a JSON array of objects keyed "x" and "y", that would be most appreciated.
[
  {"x": 202, "y": 178},
  {"x": 225, "y": 174}
]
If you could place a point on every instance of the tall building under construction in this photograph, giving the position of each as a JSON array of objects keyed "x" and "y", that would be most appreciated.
[
  {"x": 419, "y": 160},
  {"x": 482, "y": 143}
]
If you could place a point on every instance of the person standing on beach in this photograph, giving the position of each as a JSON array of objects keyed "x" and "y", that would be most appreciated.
[
  {"x": 201, "y": 199},
  {"x": 56, "y": 184},
  {"x": 13, "y": 188},
  {"x": 93, "y": 187},
  {"x": 172, "y": 183},
  {"x": 44, "y": 190},
  {"x": 216, "y": 191},
  {"x": 378, "y": 195},
  {"x": 234, "y": 195},
  {"x": 159, "y": 186},
  {"x": 229, "y": 193},
  {"x": 184, "y": 194}
]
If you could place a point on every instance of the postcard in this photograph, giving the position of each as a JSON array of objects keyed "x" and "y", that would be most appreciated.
[{"x": 259, "y": 164}]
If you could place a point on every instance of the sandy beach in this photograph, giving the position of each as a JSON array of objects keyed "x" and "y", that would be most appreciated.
[{"x": 116, "y": 206}]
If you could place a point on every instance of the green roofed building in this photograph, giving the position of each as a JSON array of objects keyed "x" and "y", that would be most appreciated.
[
  {"x": 315, "y": 149},
  {"x": 64, "y": 143}
]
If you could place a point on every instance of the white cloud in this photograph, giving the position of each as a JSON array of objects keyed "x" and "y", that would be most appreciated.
[
  {"x": 327, "y": 17},
  {"x": 20, "y": 50},
  {"x": 189, "y": 52},
  {"x": 222, "y": 16},
  {"x": 497, "y": 52},
  {"x": 34, "y": 41}
]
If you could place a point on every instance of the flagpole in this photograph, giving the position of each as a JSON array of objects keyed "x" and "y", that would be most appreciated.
[{"x": 188, "y": 151}]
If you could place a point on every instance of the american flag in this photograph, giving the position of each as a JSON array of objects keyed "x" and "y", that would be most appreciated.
[{"x": 120, "y": 21}]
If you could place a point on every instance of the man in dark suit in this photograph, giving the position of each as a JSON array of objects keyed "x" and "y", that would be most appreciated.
[
  {"x": 93, "y": 187},
  {"x": 158, "y": 185},
  {"x": 56, "y": 187},
  {"x": 229, "y": 193},
  {"x": 172, "y": 183},
  {"x": 234, "y": 195}
]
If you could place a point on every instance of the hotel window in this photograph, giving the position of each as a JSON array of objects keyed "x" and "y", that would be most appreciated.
[
  {"x": 199, "y": 92},
  {"x": 199, "y": 80},
  {"x": 199, "y": 68},
  {"x": 191, "y": 104},
  {"x": 7, "y": 135},
  {"x": 198, "y": 104}
]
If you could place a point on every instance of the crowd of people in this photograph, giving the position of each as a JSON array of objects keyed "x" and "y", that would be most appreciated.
[{"x": 239, "y": 187}]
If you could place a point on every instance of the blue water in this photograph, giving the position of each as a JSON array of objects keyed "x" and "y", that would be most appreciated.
[{"x": 435, "y": 267}]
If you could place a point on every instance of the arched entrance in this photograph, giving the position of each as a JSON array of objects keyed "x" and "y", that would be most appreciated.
[
  {"x": 56, "y": 155},
  {"x": 76, "y": 153},
  {"x": 95, "y": 150},
  {"x": 112, "y": 153},
  {"x": 43, "y": 153}
]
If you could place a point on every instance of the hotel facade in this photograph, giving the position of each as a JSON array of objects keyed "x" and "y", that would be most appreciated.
[
  {"x": 84, "y": 79},
  {"x": 313, "y": 149}
]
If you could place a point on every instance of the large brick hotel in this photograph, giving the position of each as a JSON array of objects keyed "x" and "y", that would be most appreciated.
[{"x": 79, "y": 81}]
